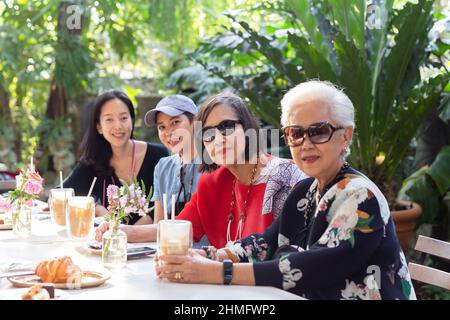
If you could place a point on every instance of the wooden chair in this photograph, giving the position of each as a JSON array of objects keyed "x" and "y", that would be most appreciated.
[{"x": 430, "y": 275}]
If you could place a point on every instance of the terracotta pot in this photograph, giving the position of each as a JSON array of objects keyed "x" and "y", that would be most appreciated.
[{"x": 405, "y": 222}]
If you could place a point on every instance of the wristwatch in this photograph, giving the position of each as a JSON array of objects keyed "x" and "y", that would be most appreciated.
[{"x": 227, "y": 271}]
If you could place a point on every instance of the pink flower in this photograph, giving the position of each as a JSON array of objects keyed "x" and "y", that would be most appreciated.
[
  {"x": 123, "y": 201},
  {"x": 323, "y": 206},
  {"x": 142, "y": 202},
  {"x": 5, "y": 205},
  {"x": 33, "y": 186},
  {"x": 111, "y": 191},
  {"x": 336, "y": 223}
]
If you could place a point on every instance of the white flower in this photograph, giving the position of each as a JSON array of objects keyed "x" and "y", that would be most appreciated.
[
  {"x": 301, "y": 204},
  {"x": 284, "y": 265},
  {"x": 353, "y": 291},
  {"x": 290, "y": 276}
]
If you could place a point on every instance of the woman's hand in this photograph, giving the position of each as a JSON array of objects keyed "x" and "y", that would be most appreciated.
[
  {"x": 101, "y": 229},
  {"x": 192, "y": 268}
]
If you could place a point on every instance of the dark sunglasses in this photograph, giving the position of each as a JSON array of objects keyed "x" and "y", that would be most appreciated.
[
  {"x": 225, "y": 128},
  {"x": 318, "y": 133}
]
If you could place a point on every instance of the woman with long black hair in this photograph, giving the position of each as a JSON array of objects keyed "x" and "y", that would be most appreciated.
[{"x": 109, "y": 152}]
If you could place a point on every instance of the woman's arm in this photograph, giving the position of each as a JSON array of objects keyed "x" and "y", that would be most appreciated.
[
  {"x": 140, "y": 233},
  {"x": 144, "y": 220},
  {"x": 135, "y": 233},
  {"x": 196, "y": 269},
  {"x": 100, "y": 211}
]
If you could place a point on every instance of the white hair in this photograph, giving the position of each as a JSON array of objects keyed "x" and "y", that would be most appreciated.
[{"x": 339, "y": 105}]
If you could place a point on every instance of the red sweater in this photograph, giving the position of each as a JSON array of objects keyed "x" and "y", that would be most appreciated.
[{"x": 209, "y": 207}]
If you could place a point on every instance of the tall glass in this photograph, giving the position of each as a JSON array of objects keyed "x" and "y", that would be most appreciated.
[
  {"x": 174, "y": 237},
  {"x": 80, "y": 216},
  {"x": 57, "y": 202}
]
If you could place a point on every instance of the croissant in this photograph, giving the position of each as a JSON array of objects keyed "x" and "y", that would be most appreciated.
[{"x": 59, "y": 270}]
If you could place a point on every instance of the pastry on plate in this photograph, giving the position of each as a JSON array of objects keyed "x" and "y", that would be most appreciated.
[{"x": 59, "y": 270}]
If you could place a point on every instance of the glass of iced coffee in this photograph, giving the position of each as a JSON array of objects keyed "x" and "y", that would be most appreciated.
[
  {"x": 174, "y": 237},
  {"x": 80, "y": 216},
  {"x": 57, "y": 202}
]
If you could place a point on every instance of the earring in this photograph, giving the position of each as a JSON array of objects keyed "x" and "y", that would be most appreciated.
[{"x": 345, "y": 150}]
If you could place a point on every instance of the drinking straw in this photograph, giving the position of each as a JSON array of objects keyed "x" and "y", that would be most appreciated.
[
  {"x": 61, "y": 180},
  {"x": 31, "y": 164},
  {"x": 173, "y": 207},
  {"x": 165, "y": 206},
  {"x": 92, "y": 186}
]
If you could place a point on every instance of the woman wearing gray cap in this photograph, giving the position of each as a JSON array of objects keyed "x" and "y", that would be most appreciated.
[{"x": 178, "y": 174}]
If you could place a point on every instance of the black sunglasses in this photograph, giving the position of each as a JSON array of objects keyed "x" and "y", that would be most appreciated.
[
  {"x": 226, "y": 127},
  {"x": 318, "y": 133}
]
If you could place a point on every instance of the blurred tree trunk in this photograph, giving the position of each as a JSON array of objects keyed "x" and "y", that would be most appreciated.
[
  {"x": 59, "y": 97},
  {"x": 57, "y": 101},
  {"x": 5, "y": 111}
]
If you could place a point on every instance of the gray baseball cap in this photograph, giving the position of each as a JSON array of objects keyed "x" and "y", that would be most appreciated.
[{"x": 172, "y": 106}]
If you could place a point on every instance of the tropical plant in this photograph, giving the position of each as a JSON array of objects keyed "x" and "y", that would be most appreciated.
[
  {"x": 428, "y": 186},
  {"x": 371, "y": 49},
  {"x": 195, "y": 82}
]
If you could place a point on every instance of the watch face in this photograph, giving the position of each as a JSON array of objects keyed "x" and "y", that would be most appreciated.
[{"x": 227, "y": 271}]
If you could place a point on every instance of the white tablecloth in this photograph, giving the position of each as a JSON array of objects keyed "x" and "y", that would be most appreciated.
[{"x": 137, "y": 280}]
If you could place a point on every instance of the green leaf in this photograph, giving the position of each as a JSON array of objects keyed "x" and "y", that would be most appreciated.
[
  {"x": 406, "y": 288},
  {"x": 410, "y": 24},
  {"x": 355, "y": 78},
  {"x": 274, "y": 55},
  {"x": 349, "y": 18},
  {"x": 377, "y": 24},
  {"x": 314, "y": 64},
  {"x": 303, "y": 10},
  {"x": 362, "y": 223},
  {"x": 440, "y": 170},
  {"x": 420, "y": 188},
  {"x": 394, "y": 141},
  {"x": 352, "y": 239},
  {"x": 444, "y": 108}
]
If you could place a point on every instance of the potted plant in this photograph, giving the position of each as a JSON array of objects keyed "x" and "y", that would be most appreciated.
[{"x": 373, "y": 50}]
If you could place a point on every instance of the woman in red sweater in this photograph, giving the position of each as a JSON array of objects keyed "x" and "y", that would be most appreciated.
[{"x": 243, "y": 189}]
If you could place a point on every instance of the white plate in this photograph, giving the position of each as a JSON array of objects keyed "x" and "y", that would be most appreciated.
[
  {"x": 85, "y": 249},
  {"x": 89, "y": 279}
]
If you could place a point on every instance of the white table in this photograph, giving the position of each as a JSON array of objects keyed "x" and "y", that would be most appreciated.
[{"x": 137, "y": 280}]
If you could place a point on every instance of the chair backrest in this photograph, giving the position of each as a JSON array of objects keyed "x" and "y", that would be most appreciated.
[{"x": 430, "y": 275}]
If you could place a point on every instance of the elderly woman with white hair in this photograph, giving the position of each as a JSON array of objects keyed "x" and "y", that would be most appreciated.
[{"x": 335, "y": 238}]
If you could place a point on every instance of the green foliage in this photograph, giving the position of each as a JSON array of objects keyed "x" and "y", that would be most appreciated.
[
  {"x": 435, "y": 293},
  {"x": 428, "y": 185},
  {"x": 205, "y": 84},
  {"x": 374, "y": 55}
]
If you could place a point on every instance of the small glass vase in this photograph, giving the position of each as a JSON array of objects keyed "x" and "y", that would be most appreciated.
[
  {"x": 21, "y": 218},
  {"x": 114, "y": 247}
]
